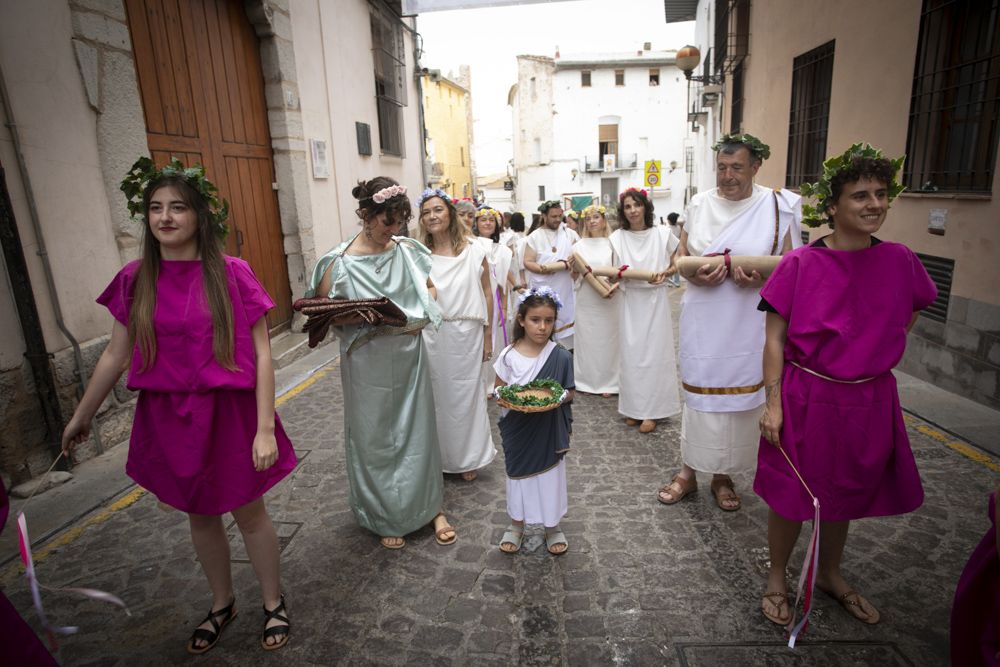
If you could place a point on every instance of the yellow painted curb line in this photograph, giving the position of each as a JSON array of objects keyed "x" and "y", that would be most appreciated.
[
  {"x": 965, "y": 450},
  {"x": 134, "y": 495}
]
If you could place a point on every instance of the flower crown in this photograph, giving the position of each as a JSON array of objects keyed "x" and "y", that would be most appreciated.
[
  {"x": 545, "y": 292},
  {"x": 593, "y": 208},
  {"x": 758, "y": 148},
  {"x": 432, "y": 192},
  {"x": 486, "y": 210},
  {"x": 385, "y": 194},
  {"x": 641, "y": 191},
  {"x": 550, "y": 203},
  {"x": 822, "y": 191},
  {"x": 144, "y": 172}
]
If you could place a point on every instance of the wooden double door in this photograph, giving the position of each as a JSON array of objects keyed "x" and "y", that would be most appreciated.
[{"x": 198, "y": 65}]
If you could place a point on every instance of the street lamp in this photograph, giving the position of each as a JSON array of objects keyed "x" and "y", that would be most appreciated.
[{"x": 689, "y": 57}]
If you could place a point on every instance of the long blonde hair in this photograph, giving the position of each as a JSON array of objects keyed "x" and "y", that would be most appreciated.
[
  {"x": 456, "y": 230},
  {"x": 213, "y": 267}
]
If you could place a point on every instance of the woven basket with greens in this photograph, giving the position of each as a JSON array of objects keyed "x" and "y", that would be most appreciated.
[{"x": 536, "y": 396}]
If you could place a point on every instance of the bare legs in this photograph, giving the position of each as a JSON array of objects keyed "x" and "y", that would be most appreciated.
[
  {"x": 781, "y": 537},
  {"x": 212, "y": 546}
]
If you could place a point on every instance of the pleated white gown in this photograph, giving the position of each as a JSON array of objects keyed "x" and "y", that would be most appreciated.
[
  {"x": 596, "y": 351},
  {"x": 455, "y": 353}
]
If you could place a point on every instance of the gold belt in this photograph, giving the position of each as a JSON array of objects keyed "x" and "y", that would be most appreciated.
[{"x": 723, "y": 391}]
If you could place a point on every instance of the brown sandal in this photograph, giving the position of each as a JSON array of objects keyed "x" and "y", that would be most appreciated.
[
  {"x": 647, "y": 426},
  {"x": 685, "y": 486},
  {"x": 780, "y": 602},
  {"x": 731, "y": 497},
  {"x": 446, "y": 528},
  {"x": 855, "y": 605},
  {"x": 631, "y": 422}
]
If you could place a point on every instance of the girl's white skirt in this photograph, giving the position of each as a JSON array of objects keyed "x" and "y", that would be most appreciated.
[{"x": 539, "y": 499}]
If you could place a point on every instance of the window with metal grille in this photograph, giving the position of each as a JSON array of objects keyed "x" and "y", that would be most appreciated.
[
  {"x": 812, "y": 73},
  {"x": 736, "y": 108},
  {"x": 951, "y": 144},
  {"x": 585, "y": 78},
  {"x": 940, "y": 270},
  {"x": 732, "y": 34},
  {"x": 390, "y": 78}
]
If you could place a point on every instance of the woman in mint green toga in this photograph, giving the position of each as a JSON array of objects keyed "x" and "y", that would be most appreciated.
[{"x": 393, "y": 460}]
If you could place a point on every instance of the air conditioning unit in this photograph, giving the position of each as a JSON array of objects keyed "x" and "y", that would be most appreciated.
[
  {"x": 434, "y": 75},
  {"x": 710, "y": 95}
]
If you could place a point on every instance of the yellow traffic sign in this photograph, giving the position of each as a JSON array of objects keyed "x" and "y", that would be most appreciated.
[{"x": 653, "y": 171}]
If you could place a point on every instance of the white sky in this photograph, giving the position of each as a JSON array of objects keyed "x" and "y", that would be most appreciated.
[{"x": 489, "y": 41}]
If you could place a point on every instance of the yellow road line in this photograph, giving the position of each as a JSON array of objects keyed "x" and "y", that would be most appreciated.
[
  {"x": 965, "y": 450},
  {"x": 72, "y": 534},
  {"x": 305, "y": 384}
]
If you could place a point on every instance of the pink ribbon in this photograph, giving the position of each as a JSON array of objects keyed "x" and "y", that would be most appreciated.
[
  {"x": 807, "y": 578},
  {"x": 27, "y": 558}
]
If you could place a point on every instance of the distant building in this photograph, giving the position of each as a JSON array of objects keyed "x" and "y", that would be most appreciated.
[
  {"x": 447, "y": 114},
  {"x": 585, "y": 125},
  {"x": 917, "y": 78},
  {"x": 492, "y": 191}
]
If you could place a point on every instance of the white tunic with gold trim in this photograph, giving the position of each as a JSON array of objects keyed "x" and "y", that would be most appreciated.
[{"x": 722, "y": 332}]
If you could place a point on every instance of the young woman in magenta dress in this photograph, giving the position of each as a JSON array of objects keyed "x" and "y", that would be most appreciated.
[
  {"x": 190, "y": 329},
  {"x": 838, "y": 311}
]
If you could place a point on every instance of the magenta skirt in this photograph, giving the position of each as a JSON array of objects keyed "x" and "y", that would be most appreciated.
[
  {"x": 195, "y": 451},
  {"x": 849, "y": 443}
]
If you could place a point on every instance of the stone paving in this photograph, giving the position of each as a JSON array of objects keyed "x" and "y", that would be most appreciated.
[{"x": 642, "y": 583}]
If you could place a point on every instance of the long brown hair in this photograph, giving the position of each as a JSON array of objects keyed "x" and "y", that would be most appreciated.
[
  {"x": 456, "y": 230},
  {"x": 213, "y": 267}
]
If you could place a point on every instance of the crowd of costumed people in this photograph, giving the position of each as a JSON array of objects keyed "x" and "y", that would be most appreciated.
[{"x": 441, "y": 306}]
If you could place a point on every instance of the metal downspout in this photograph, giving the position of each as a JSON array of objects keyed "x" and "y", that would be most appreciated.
[{"x": 81, "y": 373}]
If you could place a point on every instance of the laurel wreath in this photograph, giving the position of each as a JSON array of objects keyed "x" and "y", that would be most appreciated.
[
  {"x": 814, "y": 216},
  {"x": 511, "y": 393},
  {"x": 145, "y": 171}
]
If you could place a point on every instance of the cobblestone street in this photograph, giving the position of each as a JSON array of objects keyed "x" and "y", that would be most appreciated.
[{"x": 642, "y": 583}]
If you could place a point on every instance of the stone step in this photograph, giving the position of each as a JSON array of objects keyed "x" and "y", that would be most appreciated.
[{"x": 288, "y": 346}]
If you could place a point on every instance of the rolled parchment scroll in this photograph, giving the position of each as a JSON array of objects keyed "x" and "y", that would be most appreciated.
[
  {"x": 764, "y": 265},
  {"x": 600, "y": 286},
  {"x": 625, "y": 273}
]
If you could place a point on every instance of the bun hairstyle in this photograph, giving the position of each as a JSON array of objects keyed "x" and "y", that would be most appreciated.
[
  {"x": 396, "y": 207},
  {"x": 641, "y": 197}
]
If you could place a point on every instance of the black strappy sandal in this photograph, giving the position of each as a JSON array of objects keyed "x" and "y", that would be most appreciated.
[
  {"x": 211, "y": 636},
  {"x": 279, "y": 631}
]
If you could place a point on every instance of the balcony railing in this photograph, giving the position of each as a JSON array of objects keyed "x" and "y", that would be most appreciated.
[{"x": 624, "y": 161}]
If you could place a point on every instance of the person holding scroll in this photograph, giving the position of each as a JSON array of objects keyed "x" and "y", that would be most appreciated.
[
  {"x": 721, "y": 330},
  {"x": 551, "y": 244},
  {"x": 390, "y": 432},
  {"x": 595, "y": 361},
  {"x": 648, "y": 373}
]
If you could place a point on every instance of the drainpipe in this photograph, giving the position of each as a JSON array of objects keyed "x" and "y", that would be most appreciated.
[
  {"x": 81, "y": 373},
  {"x": 417, "y": 39}
]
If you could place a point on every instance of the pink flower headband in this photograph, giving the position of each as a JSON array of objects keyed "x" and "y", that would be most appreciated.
[
  {"x": 388, "y": 193},
  {"x": 642, "y": 191}
]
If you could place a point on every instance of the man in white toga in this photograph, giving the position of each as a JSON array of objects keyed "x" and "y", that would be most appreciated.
[
  {"x": 553, "y": 242},
  {"x": 721, "y": 330}
]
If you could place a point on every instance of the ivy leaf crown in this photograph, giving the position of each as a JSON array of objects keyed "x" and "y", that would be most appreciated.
[
  {"x": 145, "y": 171},
  {"x": 757, "y": 147},
  {"x": 822, "y": 192}
]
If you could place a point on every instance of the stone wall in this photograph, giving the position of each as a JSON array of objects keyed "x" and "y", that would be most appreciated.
[{"x": 961, "y": 355}]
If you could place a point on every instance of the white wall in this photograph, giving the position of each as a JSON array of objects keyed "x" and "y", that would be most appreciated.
[
  {"x": 58, "y": 137},
  {"x": 333, "y": 56}
]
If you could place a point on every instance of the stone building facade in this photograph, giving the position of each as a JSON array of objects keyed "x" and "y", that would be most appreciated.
[{"x": 911, "y": 78}]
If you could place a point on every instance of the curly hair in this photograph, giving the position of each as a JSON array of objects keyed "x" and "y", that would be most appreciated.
[
  {"x": 397, "y": 209},
  {"x": 879, "y": 169},
  {"x": 643, "y": 199}
]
